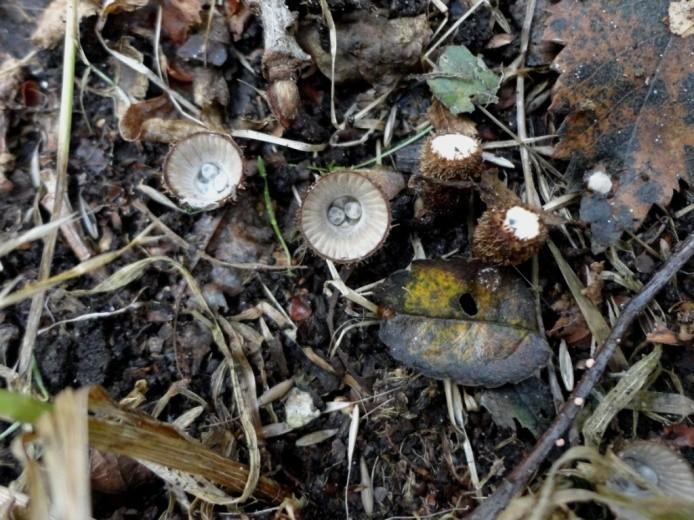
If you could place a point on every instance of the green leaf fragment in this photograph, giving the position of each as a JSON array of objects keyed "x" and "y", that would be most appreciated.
[{"x": 462, "y": 80}]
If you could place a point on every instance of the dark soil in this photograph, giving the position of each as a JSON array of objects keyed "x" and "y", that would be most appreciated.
[{"x": 420, "y": 465}]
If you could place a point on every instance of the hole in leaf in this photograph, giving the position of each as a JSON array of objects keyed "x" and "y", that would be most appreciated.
[{"x": 467, "y": 303}]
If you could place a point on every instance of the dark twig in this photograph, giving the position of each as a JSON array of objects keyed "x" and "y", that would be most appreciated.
[{"x": 518, "y": 478}]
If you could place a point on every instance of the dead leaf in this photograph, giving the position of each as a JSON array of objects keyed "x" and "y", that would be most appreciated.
[
  {"x": 626, "y": 86},
  {"x": 680, "y": 435},
  {"x": 178, "y": 17},
  {"x": 50, "y": 28},
  {"x": 445, "y": 122},
  {"x": 460, "y": 320},
  {"x": 154, "y": 120},
  {"x": 130, "y": 82},
  {"x": 115, "y": 474},
  {"x": 529, "y": 403}
]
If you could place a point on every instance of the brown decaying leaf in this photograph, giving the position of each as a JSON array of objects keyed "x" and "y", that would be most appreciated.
[
  {"x": 178, "y": 17},
  {"x": 681, "y": 17},
  {"x": 115, "y": 474},
  {"x": 627, "y": 87},
  {"x": 680, "y": 435}
]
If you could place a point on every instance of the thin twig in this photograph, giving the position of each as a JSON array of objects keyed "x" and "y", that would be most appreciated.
[{"x": 518, "y": 478}]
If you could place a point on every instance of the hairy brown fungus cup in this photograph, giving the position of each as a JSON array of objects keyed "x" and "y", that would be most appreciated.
[
  {"x": 449, "y": 163},
  {"x": 204, "y": 170},
  {"x": 508, "y": 235},
  {"x": 345, "y": 217},
  {"x": 451, "y": 157}
]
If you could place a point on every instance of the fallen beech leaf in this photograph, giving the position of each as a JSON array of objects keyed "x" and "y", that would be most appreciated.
[
  {"x": 464, "y": 321},
  {"x": 626, "y": 86},
  {"x": 463, "y": 79}
]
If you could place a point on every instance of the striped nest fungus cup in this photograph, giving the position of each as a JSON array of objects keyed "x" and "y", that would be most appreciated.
[
  {"x": 204, "y": 170},
  {"x": 345, "y": 217}
]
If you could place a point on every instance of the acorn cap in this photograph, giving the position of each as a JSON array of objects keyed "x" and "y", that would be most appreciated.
[
  {"x": 508, "y": 235},
  {"x": 344, "y": 217},
  {"x": 658, "y": 465},
  {"x": 204, "y": 170},
  {"x": 451, "y": 157}
]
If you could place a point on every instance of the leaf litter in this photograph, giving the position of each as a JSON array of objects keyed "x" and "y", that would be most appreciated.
[{"x": 146, "y": 319}]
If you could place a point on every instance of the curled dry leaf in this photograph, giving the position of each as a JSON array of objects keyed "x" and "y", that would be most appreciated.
[
  {"x": 460, "y": 320},
  {"x": 626, "y": 88},
  {"x": 155, "y": 120}
]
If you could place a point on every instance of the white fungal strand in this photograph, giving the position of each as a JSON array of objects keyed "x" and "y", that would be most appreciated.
[
  {"x": 454, "y": 147},
  {"x": 600, "y": 182},
  {"x": 524, "y": 224}
]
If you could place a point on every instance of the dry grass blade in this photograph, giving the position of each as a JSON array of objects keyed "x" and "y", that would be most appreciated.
[
  {"x": 83, "y": 268},
  {"x": 33, "y": 234},
  {"x": 315, "y": 437},
  {"x": 66, "y": 455},
  {"x": 619, "y": 397},
  {"x": 661, "y": 402},
  {"x": 367, "y": 488},
  {"x": 596, "y": 323},
  {"x": 351, "y": 444},
  {"x": 276, "y": 392},
  {"x": 121, "y": 431},
  {"x": 64, "y": 129},
  {"x": 566, "y": 367}
]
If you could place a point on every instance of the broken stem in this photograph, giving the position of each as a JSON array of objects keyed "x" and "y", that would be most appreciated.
[{"x": 518, "y": 478}]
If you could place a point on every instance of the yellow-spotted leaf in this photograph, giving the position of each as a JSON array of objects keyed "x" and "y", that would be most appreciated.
[{"x": 461, "y": 320}]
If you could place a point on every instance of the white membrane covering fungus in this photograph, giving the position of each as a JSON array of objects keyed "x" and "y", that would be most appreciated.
[
  {"x": 454, "y": 147},
  {"x": 524, "y": 224}
]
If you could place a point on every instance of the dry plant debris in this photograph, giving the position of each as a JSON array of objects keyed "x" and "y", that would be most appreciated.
[{"x": 422, "y": 150}]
